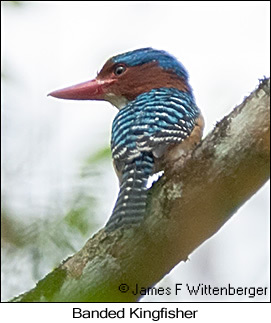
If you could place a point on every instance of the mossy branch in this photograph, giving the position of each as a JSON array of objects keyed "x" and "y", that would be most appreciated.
[{"x": 190, "y": 203}]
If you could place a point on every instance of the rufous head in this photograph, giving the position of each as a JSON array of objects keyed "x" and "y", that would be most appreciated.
[{"x": 125, "y": 76}]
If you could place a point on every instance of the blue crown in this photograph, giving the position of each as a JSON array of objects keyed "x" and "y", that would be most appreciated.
[{"x": 147, "y": 55}]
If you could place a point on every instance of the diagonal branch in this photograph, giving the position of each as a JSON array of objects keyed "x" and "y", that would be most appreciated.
[{"x": 190, "y": 203}]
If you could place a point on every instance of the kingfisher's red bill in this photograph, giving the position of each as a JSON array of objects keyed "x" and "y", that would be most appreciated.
[{"x": 90, "y": 90}]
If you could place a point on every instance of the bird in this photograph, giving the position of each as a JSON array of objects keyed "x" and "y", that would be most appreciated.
[{"x": 157, "y": 122}]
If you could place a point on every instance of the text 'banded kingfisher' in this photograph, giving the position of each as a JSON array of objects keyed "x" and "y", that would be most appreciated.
[{"x": 157, "y": 121}]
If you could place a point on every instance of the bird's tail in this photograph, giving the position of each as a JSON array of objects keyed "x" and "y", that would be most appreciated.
[{"x": 130, "y": 207}]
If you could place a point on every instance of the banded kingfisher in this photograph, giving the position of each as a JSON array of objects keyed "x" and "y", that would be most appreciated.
[{"x": 158, "y": 120}]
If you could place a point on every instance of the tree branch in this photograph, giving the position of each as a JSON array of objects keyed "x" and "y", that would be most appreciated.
[{"x": 190, "y": 203}]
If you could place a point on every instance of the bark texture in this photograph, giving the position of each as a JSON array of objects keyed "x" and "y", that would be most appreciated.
[{"x": 190, "y": 203}]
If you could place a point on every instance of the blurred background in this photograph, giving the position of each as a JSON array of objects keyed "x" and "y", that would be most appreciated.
[{"x": 58, "y": 186}]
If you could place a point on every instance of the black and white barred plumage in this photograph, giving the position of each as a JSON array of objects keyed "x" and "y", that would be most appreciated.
[{"x": 141, "y": 131}]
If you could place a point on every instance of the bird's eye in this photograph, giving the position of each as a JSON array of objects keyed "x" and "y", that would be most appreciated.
[{"x": 119, "y": 69}]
